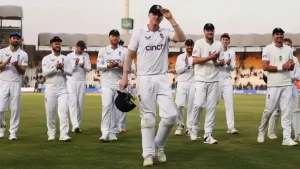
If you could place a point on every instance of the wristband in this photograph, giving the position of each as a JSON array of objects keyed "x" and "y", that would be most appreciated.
[{"x": 279, "y": 68}]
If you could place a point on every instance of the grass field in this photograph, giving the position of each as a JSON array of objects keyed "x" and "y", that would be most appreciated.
[{"x": 33, "y": 151}]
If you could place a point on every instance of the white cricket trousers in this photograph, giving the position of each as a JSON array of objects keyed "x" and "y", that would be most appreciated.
[
  {"x": 295, "y": 115},
  {"x": 10, "y": 91},
  {"x": 57, "y": 100},
  {"x": 152, "y": 90},
  {"x": 185, "y": 93},
  {"x": 206, "y": 96},
  {"x": 110, "y": 113},
  {"x": 275, "y": 96},
  {"x": 76, "y": 90},
  {"x": 226, "y": 91}
]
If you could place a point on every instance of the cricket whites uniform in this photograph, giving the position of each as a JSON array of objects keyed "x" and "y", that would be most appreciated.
[
  {"x": 123, "y": 115},
  {"x": 295, "y": 74},
  {"x": 206, "y": 89},
  {"x": 56, "y": 94},
  {"x": 76, "y": 85},
  {"x": 279, "y": 92},
  {"x": 10, "y": 89},
  {"x": 185, "y": 91},
  {"x": 226, "y": 89},
  {"x": 153, "y": 87},
  {"x": 109, "y": 86}
]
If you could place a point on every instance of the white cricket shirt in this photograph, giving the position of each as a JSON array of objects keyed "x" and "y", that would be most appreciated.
[
  {"x": 79, "y": 74},
  {"x": 295, "y": 73},
  {"x": 10, "y": 73},
  {"x": 225, "y": 71},
  {"x": 207, "y": 72},
  {"x": 185, "y": 72},
  {"x": 277, "y": 57},
  {"x": 152, "y": 50},
  {"x": 111, "y": 76},
  {"x": 55, "y": 79}
]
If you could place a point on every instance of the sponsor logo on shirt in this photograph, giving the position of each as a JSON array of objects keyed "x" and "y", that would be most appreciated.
[
  {"x": 154, "y": 47},
  {"x": 147, "y": 37},
  {"x": 113, "y": 61}
]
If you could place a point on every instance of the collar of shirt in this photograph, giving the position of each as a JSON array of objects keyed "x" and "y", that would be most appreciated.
[
  {"x": 8, "y": 48},
  {"x": 147, "y": 28}
]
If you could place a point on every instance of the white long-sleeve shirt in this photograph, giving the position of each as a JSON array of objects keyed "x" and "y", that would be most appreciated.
[
  {"x": 10, "y": 73},
  {"x": 295, "y": 73},
  {"x": 111, "y": 76},
  {"x": 79, "y": 74},
  {"x": 56, "y": 79},
  {"x": 225, "y": 71},
  {"x": 184, "y": 71}
]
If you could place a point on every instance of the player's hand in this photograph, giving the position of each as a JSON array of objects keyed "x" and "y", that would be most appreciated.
[
  {"x": 215, "y": 55},
  {"x": 186, "y": 60},
  {"x": 286, "y": 66},
  {"x": 59, "y": 66},
  {"x": 7, "y": 61},
  {"x": 81, "y": 65},
  {"x": 123, "y": 83},
  {"x": 76, "y": 62},
  {"x": 166, "y": 13},
  {"x": 119, "y": 65},
  {"x": 15, "y": 63},
  {"x": 227, "y": 62},
  {"x": 115, "y": 64}
]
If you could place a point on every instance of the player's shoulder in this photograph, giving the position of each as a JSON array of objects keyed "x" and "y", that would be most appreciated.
[
  {"x": 181, "y": 55},
  {"x": 166, "y": 30},
  {"x": 199, "y": 41},
  {"x": 70, "y": 54},
  {"x": 45, "y": 58}
]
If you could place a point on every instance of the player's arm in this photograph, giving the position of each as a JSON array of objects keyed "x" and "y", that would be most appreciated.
[
  {"x": 87, "y": 64},
  {"x": 179, "y": 35},
  {"x": 3, "y": 62},
  {"x": 133, "y": 67},
  {"x": 197, "y": 59},
  {"x": 266, "y": 63},
  {"x": 128, "y": 62},
  {"x": 180, "y": 65},
  {"x": 296, "y": 75},
  {"x": 100, "y": 61},
  {"x": 68, "y": 68},
  {"x": 231, "y": 66},
  {"x": 46, "y": 69},
  {"x": 24, "y": 63}
]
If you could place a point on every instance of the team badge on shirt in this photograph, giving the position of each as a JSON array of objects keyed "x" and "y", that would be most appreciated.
[
  {"x": 195, "y": 51},
  {"x": 280, "y": 58},
  {"x": 161, "y": 35}
]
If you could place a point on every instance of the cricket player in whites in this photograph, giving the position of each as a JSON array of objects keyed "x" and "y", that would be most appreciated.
[
  {"x": 76, "y": 83},
  {"x": 151, "y": 45},
  {"x": 123, "y": 115},
  {"x": 185, "y": 88},
  {"x": 56, "y": 67},
  {"x": 13, "y": 64},
  {"x": 295, "y": 74},
  {"x": 207, "y": 59},
  {"x": 225, "y": 83},
  {"x": 110, "y": 61},
  {"x": 277, "y": 59}
]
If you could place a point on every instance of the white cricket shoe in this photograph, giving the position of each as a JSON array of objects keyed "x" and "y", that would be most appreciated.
[
  {"x": 160, "y": 155},
  {"x": 51, "y": 138},
  {"x": 148, "y": 161},
  {"x": 232, "y": 131},
  {"x": 104, "y": 138},
  {"x": 193, "y": 136},
  {"x": 289, "y": 142},
  {"x": 188, "y": 132},
  {"x": 65, "y": 138},
  {"x": 210, "y": 140},
  {"x": 112, "y": 137},
  {"x": 272, "y": 136},
  {"x": 261, "y": 138},
  {"x": 12, "y": 137},
  {"x": 178, "y": 131},
  {"x": 2, "y": 130}
]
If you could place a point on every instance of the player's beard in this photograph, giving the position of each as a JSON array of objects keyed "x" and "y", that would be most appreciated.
[
  {"x": 15, "y": 44},
  {"x": 57, "y": 49}
]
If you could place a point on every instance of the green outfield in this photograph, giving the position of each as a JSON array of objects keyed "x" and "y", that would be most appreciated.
[{"x": 33, "y": 151}]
